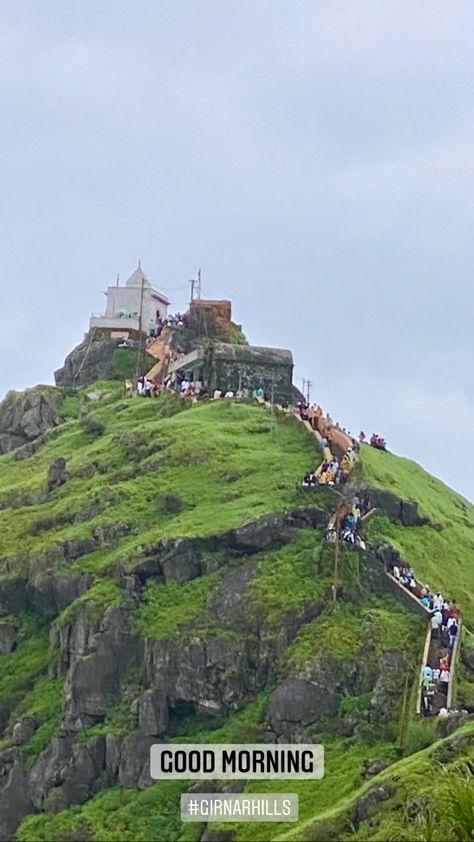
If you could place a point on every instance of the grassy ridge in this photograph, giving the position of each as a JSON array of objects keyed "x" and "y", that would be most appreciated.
[
  {"x": 223, "y": 463},
  {"x": 163, "y": 469},
  {"x": 442, "y": 559},
  {"x": 167, "y": 471}
]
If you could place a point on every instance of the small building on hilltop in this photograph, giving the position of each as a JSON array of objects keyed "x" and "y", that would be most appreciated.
[
  {"x": 131, "y": 308},
  {"x": 207, "y": 317},
  {"x": 222, "y": 365}
]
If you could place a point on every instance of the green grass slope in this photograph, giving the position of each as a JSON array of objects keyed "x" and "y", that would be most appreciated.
[
  {"x": 164, "y": 469},
  {"x": 159, "y": 468},
  {"x": 443, "y": 559}
]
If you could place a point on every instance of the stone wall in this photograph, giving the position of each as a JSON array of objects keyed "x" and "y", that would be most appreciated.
[
  {"x": 403, "y": 595},
  {"x": 376, "y": 563},
  {"x": 251, "y": 367}
]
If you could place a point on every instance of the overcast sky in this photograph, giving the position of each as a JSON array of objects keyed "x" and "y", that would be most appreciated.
[{"x": 314, "y": 158}]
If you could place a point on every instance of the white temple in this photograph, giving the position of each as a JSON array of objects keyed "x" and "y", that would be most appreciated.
[{"x": 133, "y": 307}]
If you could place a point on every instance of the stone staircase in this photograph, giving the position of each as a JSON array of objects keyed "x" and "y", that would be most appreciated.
[{"x": 160, "y": 348}]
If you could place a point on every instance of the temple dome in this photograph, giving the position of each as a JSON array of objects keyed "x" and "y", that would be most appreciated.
[{"x": 137, "y": 278}]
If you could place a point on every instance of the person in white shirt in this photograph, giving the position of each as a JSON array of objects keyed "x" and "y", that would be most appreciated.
[
  {"x": 436, "y": 623},
  {"x": 438, "y": 602},
  {"x": 444, "y": 679}
]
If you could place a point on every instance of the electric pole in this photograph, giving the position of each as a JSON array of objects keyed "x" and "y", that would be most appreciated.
[
  {"x": 195, "y": 284},
  {"x": 140, "y": 332},
  {"x": 336, "y": 564},
  {"x": 307, "y": 386}
]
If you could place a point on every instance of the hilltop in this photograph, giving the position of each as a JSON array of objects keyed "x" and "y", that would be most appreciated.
[{"x": 169, "y": 580}]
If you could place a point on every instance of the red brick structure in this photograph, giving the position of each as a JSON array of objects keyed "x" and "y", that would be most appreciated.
[{"x": 211, "y": 318}]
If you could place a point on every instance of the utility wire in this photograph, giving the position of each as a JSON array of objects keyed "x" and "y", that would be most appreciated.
[
  {"x": 171, "y": 289},
  {"x": 93, "y": 332}
]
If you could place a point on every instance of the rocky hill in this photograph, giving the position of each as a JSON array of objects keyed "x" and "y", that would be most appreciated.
[
  {"x": 99, "y": 357},
  {"x": 163, "y": 575}
]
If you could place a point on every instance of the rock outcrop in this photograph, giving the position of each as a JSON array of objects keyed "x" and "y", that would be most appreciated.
[
  {"x": 396, "y": 508},
  {"x": 182, "y": 559},
  {"x": 211, "y": 672},
  {"x": 8, "y": 637},
  {"x": 367, "y": 805},
  {"x": 87, "y": 362},
  {"x": 387, "y": 691},
  {"x": 299, "y": 703},
  {"x": 25, "y": 416},
  {"x": 57, "y": 474},
  {"x": 95, "y": 358},
  {"x": 15, "y": 801}
]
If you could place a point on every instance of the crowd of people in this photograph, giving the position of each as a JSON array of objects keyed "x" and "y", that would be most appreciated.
[
  {"x": 347, "y": 523},
  {"x": 193, "y": 388},
  {"x": 444, "y": 622},
  {"x": 188, "y": 388},
  {"x": 334, "y": 470},
  {"x": 444, "y": 613},
  {"x": 196, "y": 388},
  {"x": 435, "y": 680},
  {"x": 146, "y": 388},
  {"x": 239, "y": 394},
  {"x": 375, "y": 440},
  {"x": 378, "y": 442},
  {"x": 329, "y": 474},
  {"x": 176, "y": 321},
  {"x": 319, "y": 421}
]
